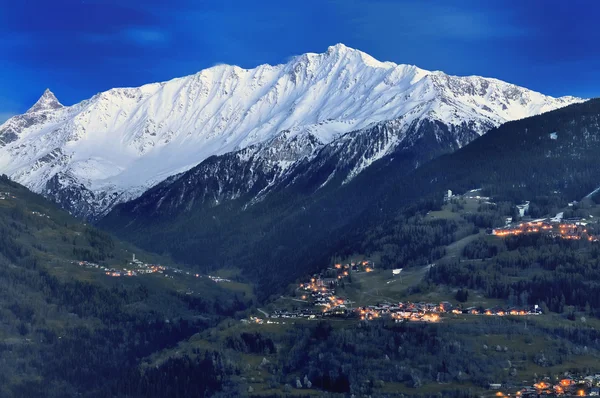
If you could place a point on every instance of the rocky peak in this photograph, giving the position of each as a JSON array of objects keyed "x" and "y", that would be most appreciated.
[{"x": 46, "y": 102}]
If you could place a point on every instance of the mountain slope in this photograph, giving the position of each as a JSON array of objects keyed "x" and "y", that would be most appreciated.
[
  {"x": 289, "y": 233},
  {"x": 111, "y": 148},
  {"x": 248, "y": 176},
  {"x": 548, "y": 160},
  {"x": 68, "y": 329},
  {"x": 547, "y": 155}
]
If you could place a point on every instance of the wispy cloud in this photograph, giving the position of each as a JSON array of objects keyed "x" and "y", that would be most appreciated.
[
  {"x": 144, "y": 36},
  {"x": 138, "y": 36},
  {"x": 426, "y": 20}
]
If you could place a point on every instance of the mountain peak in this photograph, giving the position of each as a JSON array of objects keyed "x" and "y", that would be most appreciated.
[
  {"x": 339, "y": 48},
  {"x": 342, "y": 51},
  {"x": 46, "y": 102}
]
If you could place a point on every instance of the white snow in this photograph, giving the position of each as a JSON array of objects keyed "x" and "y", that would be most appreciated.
[{"x": 127, "y": 139}]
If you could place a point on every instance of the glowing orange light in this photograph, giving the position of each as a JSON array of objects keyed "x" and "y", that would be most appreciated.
[{"x": 541, "y": 385}]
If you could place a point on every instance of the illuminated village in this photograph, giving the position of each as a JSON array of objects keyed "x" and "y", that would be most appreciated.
[
  {"x": 573, "y": 229},
  {"x": 569, "y": 386},
  {"x": 137, "y": 267},
  {"x": 556, "y": 227},
  {"x": 319, "y": 292}
]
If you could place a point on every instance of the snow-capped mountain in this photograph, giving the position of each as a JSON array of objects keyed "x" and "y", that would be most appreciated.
[
  {"x": 298, "y": 163},
  {"x": 114, "y": 146}
]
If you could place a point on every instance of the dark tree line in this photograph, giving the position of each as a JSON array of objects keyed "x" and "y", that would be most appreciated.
[{"x": 530, "y": 269}]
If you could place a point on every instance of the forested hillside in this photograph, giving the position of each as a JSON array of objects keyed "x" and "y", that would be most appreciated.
[
  {"x": 558, "y": 274},
  {"x": 548, "y": 160},
  {"x": 67, "y": 330},
  {"x": 548, "y": 156}
]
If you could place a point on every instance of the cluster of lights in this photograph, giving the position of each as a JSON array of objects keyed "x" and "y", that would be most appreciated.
[
  {"x": 367, "y": 314},
  {"x": 566, "y": 231},
  {"x": 117, "y": 274},
  {"x": 544, "y": 388},
  {"x": 488, "y": 312}
]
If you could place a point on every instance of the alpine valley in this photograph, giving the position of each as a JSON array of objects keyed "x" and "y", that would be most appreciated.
[{"x": 335, "y": 226}]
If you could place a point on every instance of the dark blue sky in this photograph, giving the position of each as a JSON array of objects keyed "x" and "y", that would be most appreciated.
[{"x": 80, "y": 47}]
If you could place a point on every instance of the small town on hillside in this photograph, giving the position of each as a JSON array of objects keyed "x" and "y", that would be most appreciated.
[
  {"x": 574, "y": 229},
  {"x": 137, "y": 267},
  {"x": 400, "y": 312},
  {"x": 556, "y": 227},
  {"x": 319, "y": 292},
  {"x": 570, "y": 385}
]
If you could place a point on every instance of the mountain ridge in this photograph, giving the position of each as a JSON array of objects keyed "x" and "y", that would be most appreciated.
[{"x": 113, "y": 147}]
